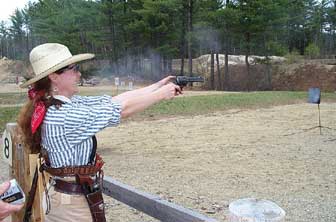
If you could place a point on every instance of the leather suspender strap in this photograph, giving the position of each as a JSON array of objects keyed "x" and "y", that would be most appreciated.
[
  {"x": 94, "y": 149},
  {"x": 31, "y": 197}
]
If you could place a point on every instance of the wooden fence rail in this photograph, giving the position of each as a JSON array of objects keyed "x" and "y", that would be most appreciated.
[{"x": 151, "y": 205}]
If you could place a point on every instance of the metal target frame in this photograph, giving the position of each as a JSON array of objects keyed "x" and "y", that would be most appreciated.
[{"x": 314, "y": 97}]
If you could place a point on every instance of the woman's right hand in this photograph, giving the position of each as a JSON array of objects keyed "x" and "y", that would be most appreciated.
[
  {"x": 169, "y": 91},
  {"x": 166, "y": 80},
  {"x": 134, "y": 104}
]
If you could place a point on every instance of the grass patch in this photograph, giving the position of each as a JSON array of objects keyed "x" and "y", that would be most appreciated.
[
  {"x": 12, "y": 98},
  {"x": 7, "y": 115},
  {"x": 195, "y": 105},
  {"x": 204, "y": 104}
]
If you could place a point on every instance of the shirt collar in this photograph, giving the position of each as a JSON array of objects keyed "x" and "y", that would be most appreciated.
[{"x": 62, "y": 98}]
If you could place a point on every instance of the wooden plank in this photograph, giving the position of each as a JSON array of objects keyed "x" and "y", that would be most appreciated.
[
  {"x": 37, "y": 214},
  {"x": 32, "y": 167},
  {"x": 150, "y": 204}
]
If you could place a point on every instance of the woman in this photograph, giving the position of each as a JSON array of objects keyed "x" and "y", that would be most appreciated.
[{"x": 63, "y": 125}]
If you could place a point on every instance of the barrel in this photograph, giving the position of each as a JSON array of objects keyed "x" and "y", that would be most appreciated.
[{"x": 255, "y": 210}]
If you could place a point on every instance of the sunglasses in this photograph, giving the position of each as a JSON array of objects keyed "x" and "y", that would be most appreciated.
[{"x": 74, "y": 67}]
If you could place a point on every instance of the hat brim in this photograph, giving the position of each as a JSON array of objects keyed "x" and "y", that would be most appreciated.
[{"x": 69, "y": 61}]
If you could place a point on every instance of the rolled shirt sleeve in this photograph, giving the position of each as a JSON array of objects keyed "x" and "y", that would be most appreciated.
[{"x": 85, "y": 120}]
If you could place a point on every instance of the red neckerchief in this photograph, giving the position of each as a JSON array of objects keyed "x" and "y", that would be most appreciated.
[{"x": 39, "y": 108}]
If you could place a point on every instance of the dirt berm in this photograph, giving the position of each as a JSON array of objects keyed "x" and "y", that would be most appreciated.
[
  {"x": 279, "y": 76},
  {"x": 289, "y": 77}
]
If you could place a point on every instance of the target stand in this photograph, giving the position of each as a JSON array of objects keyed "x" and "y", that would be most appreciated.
[{"x": 314, "y": 97}]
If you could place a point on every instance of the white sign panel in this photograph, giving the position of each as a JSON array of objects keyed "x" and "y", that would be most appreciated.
[
  {"x": 130, "y": 85},
  {"x": 116, "y": 81},
  {"x": 7, "y": 147}
]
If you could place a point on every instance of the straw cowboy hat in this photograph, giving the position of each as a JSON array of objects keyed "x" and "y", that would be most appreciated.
[{"x": 50, "y": 57}]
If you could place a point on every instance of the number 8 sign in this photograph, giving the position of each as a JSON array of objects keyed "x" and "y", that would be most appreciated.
[{"x": 7, "y": 147}]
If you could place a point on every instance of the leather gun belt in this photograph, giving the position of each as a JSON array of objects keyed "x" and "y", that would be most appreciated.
[
  {"x": 86, "y": 170},
  {"x": 68, "y": 187}
]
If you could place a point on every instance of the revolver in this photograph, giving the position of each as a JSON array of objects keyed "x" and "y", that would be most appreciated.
[{"x": 182, "y": 81}]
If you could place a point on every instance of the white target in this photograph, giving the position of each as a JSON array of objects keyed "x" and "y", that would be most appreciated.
[
  {"x": 116, "y": 81},
  {"x": 7, "y": 147}
]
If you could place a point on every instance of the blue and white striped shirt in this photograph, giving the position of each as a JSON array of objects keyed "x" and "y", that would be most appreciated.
[{"x": 67, "y": 132}]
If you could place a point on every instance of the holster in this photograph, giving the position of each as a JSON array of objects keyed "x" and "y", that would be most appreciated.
[
  {"x": 94, "y": 197},
  {"x": 96, "y": 204}
]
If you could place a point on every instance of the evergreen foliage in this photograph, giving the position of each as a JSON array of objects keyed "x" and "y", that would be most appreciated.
[{"x": 142, "y": 37}]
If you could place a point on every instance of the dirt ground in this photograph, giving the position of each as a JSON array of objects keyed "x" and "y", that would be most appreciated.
[{"x": 205, "y": 162}]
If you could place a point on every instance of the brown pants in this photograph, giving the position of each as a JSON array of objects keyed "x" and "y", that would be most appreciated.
[{"x": 65, "y": 207}]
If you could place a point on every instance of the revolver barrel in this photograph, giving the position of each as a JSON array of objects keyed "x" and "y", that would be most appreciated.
[{"x": 184, "y": 80}]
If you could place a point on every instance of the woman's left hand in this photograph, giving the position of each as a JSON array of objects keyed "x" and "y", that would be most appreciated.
[{"x": 7, "y": 209}]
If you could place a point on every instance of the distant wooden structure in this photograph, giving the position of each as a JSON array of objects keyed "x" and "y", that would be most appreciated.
[{"x": 23, "y": 165}]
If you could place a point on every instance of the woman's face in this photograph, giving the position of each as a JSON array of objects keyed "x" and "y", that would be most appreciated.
[{"x": 66, "y": 81}]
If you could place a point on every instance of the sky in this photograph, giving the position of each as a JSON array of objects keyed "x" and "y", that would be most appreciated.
[{"x": 8, "y": 7}]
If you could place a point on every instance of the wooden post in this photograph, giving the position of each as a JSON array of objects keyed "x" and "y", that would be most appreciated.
[
  {"x": 22, "y": 166},
  {"x": 14, "y": 160}
]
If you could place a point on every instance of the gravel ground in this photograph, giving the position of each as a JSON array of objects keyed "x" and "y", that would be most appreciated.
[{"x": 206, "y": 162}]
